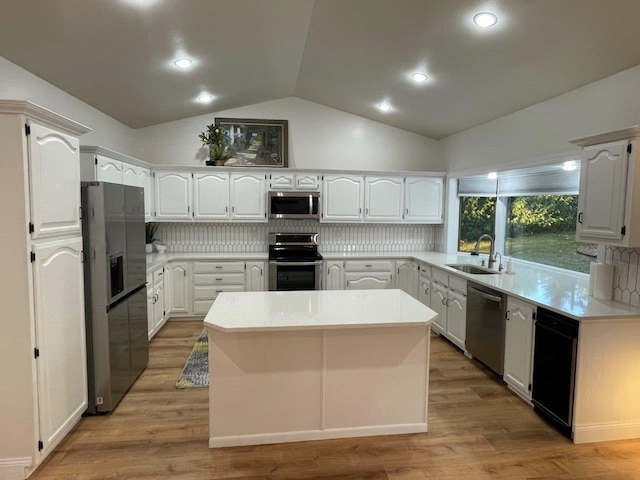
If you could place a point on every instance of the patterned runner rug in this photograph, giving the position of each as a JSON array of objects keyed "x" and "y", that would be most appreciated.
[{"x": 196, "y": 371}]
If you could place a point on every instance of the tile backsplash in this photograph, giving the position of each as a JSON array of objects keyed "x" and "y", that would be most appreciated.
[
  {"x": 252, "y": 237},
  {"x": 626, "y": 277}
]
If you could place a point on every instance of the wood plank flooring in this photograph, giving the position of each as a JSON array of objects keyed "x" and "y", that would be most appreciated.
[{"x": 477, "y": 430}]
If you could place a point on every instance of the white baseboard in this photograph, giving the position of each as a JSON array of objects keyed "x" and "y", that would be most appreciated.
[
  {"x": 14, "y": 468},
  {"x": 285, "y": 437},
  {"x": 606, "y": 432}
]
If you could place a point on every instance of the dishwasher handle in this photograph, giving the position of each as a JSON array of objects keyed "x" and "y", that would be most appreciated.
[{"x": 486, "y": 296}]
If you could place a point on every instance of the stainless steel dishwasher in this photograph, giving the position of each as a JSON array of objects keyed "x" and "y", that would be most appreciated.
[{"x": 486, "y": 310}]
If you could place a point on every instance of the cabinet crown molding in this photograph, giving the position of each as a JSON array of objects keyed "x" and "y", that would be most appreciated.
[
  {"x": 612, "y": 136},
  {"x": 23, "y": 107},
  {"x": 105, "y": 152}
]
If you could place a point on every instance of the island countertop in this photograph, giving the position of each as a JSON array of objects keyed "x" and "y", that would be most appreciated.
[{"x": 316, "y": 309}]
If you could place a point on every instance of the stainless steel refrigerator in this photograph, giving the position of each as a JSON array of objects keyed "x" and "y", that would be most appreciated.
[{"x": 115, "y": 290}]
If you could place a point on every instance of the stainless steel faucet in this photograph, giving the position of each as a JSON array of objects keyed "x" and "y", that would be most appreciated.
[{"x": 492, "y": 256}]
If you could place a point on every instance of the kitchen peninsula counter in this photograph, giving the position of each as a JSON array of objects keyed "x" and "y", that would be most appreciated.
[{"x": 310, "y": 365}]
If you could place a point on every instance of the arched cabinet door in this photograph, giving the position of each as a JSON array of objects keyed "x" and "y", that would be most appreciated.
[
  {"x": 54, "y": 166},
  {"x": 173, "y": 195},
  {"x": 60, "y": 337}
]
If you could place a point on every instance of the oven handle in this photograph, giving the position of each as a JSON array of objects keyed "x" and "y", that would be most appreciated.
[{"x": 296, "y": 264}]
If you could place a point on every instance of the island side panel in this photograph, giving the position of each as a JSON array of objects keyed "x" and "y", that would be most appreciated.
[
  {"x": 376, "y": 377},
  {"x": 607, "y": 381},
  {"x": 263, "y": 383}
]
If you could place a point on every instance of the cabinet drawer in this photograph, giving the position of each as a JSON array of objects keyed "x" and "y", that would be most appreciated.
[
  {"x": 425, "y": 270},
  {"x": 458, "y": 284},
  {"x": 150, "y": 279},
  {"x": 157, "y": 275},
  {"x": 368, "y": 265},
  {"x": 219, "y": 279},
  {"x": 218, "y": 267},
  {"x": 210, "y": 292},
  {"x": 440, "y": 277}
]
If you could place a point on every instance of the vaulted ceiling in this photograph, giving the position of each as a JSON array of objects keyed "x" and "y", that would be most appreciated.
[{"x": 117, "y": 55}]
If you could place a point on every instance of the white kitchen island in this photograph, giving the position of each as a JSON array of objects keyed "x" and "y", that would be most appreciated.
[{"x": 310, "y": 365}]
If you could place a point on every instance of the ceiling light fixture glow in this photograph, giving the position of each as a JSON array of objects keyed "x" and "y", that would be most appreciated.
[
  {"x": 384, "y": 107},
  {"x": 183, "y": 62},
  {"x": 419, "y": 77},
  {"x": 485, "y": 19},
  {"x": 492, "y": 175},
  {"x": 569, "y": 166},
  {"x": 205, "y": 98}
]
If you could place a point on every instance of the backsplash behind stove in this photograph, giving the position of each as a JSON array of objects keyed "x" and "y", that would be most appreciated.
[{"x": 252, "y": 237}]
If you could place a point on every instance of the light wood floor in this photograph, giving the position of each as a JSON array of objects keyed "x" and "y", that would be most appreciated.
[{"x": 477, "y": 430}]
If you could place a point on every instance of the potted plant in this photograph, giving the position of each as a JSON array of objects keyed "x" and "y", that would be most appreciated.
[
  {"x": 217, "y": 151},
  {"x": 150, "y": 231}
]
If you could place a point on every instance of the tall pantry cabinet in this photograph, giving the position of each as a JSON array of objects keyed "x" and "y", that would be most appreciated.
[{"x": 43, "y": 380}]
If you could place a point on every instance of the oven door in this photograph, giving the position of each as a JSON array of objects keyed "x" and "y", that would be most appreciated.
[{"x": 294, "y": 275}]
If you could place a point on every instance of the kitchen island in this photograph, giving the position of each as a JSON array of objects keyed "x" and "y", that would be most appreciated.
[{"x": 310, "y": 365}]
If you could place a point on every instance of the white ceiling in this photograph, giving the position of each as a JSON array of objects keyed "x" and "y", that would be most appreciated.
[{"x": 117, "y": 55}]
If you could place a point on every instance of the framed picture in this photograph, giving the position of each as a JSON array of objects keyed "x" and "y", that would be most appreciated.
[{"x": 255, "y": 143}]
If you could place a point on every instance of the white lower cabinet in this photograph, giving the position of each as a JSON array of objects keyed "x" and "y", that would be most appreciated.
[
  {"x": 60, "y": 338},
  {"x": 449, "y": 300},
  {"x": 518, "y": 351},
  {"x": 334, "y": 275},
  {"x": 368, "y": 275},
  {"x": 211, "y": 278},
  {"x": 407, "y": 277},
  {"x": 155, "y": 301},
  {"x": 424, "y": 285},
  {"x": 254, "y": 277},
  {"x": 177, "y": 297}
]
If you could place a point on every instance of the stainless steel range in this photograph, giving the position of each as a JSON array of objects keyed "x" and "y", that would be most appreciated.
[{"x": 294, "y": 261}]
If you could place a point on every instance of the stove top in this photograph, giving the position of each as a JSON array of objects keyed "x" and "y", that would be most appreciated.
[{"x": 294, "y": 247}]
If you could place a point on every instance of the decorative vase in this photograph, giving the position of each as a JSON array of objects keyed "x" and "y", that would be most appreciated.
[{"x": 219, "y": 163}]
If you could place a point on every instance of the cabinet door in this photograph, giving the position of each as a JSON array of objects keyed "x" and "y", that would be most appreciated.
[
  {"x": 54, "y": 167},
  {"x": 151, "y": 301},
  {"x": 177, "y": 296},
  {"x": 307, "y": 182},
  {"x": 424, "y": 197},
  {"x": 334, "y": 275},
  {"x": 518, "y": 351},
  {"x": 60, "y": 336},
  {"x": 439, "y": 305},
  {"x": 603, "y": 179},
  {"x": 383, "y": 199},
  {"x": 424, "y": 291},
  {"x": 130, "y": 175},
  {"x": 158, "y": 306},
  {"x": 144, "y": 181},
  {"x": 173, "y": 195},
  {"x": 368, "y": 281},
  {"x": 248, "y": 197},
  {"x": 108, "y": 170},
  {"x": 254, "y": 276},
  {"x": 405, "y": 276},
  {"x": 281, "y": 181},
  {"x": 342, "y": 198},
  {"x": 211, "y": 196},
  {"x": 456, "y": 318}
]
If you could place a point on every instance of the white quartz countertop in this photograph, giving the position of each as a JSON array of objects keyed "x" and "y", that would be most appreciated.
[
  {"x": 316, "y": 309},
  {"x": 563, "y": 292}
]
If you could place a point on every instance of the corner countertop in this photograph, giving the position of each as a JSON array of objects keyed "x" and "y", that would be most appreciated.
[
  {"x": 315, "y": 310},
  {"x": 560, "y": 291}
]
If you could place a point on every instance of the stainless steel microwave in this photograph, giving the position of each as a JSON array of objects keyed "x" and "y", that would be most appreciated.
[{"x": 299, "y": 205}]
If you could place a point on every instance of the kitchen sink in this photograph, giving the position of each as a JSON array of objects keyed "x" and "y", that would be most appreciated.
[{"x": 473, "y": 269}]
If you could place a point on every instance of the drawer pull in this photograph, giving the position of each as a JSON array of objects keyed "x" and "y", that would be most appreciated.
[{"x": 218, "y": 279}]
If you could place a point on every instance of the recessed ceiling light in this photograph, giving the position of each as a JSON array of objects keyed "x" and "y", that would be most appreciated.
[
  {"x": 485, "y": 19},
  {"x": 570, "y": 165},
  {"x": 384, "y": 107},
  {"x": 205, "y": 98},
  {"x": 183, "y": 62},
  {"x": 419, "y": 77},
  {"x": 492, "y": 175}
]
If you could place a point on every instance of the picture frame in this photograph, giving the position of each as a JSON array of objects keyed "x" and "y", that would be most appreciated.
[{"x": 255, "y": 142}]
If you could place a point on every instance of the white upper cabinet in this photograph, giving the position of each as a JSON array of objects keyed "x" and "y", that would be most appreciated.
[
  {"x": 609, "y": 201},
  {"x": 109, "y": 170},
  {"x": 211, "y": 196},
  {"x": 383, "y": 199},
  {"x": 248, "y": 197},
  {"x": 173, "y": 195},
  {"x": 144, "y": 181},
  {"x": 424, "y": 200},
  {"x": 342, "y": 198},
  {"x": 305, "y": 181},
  {"x": 130, "y": 175},
  {"x": 281, "y": 181},
  {"x": 54, "y": 160}
]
